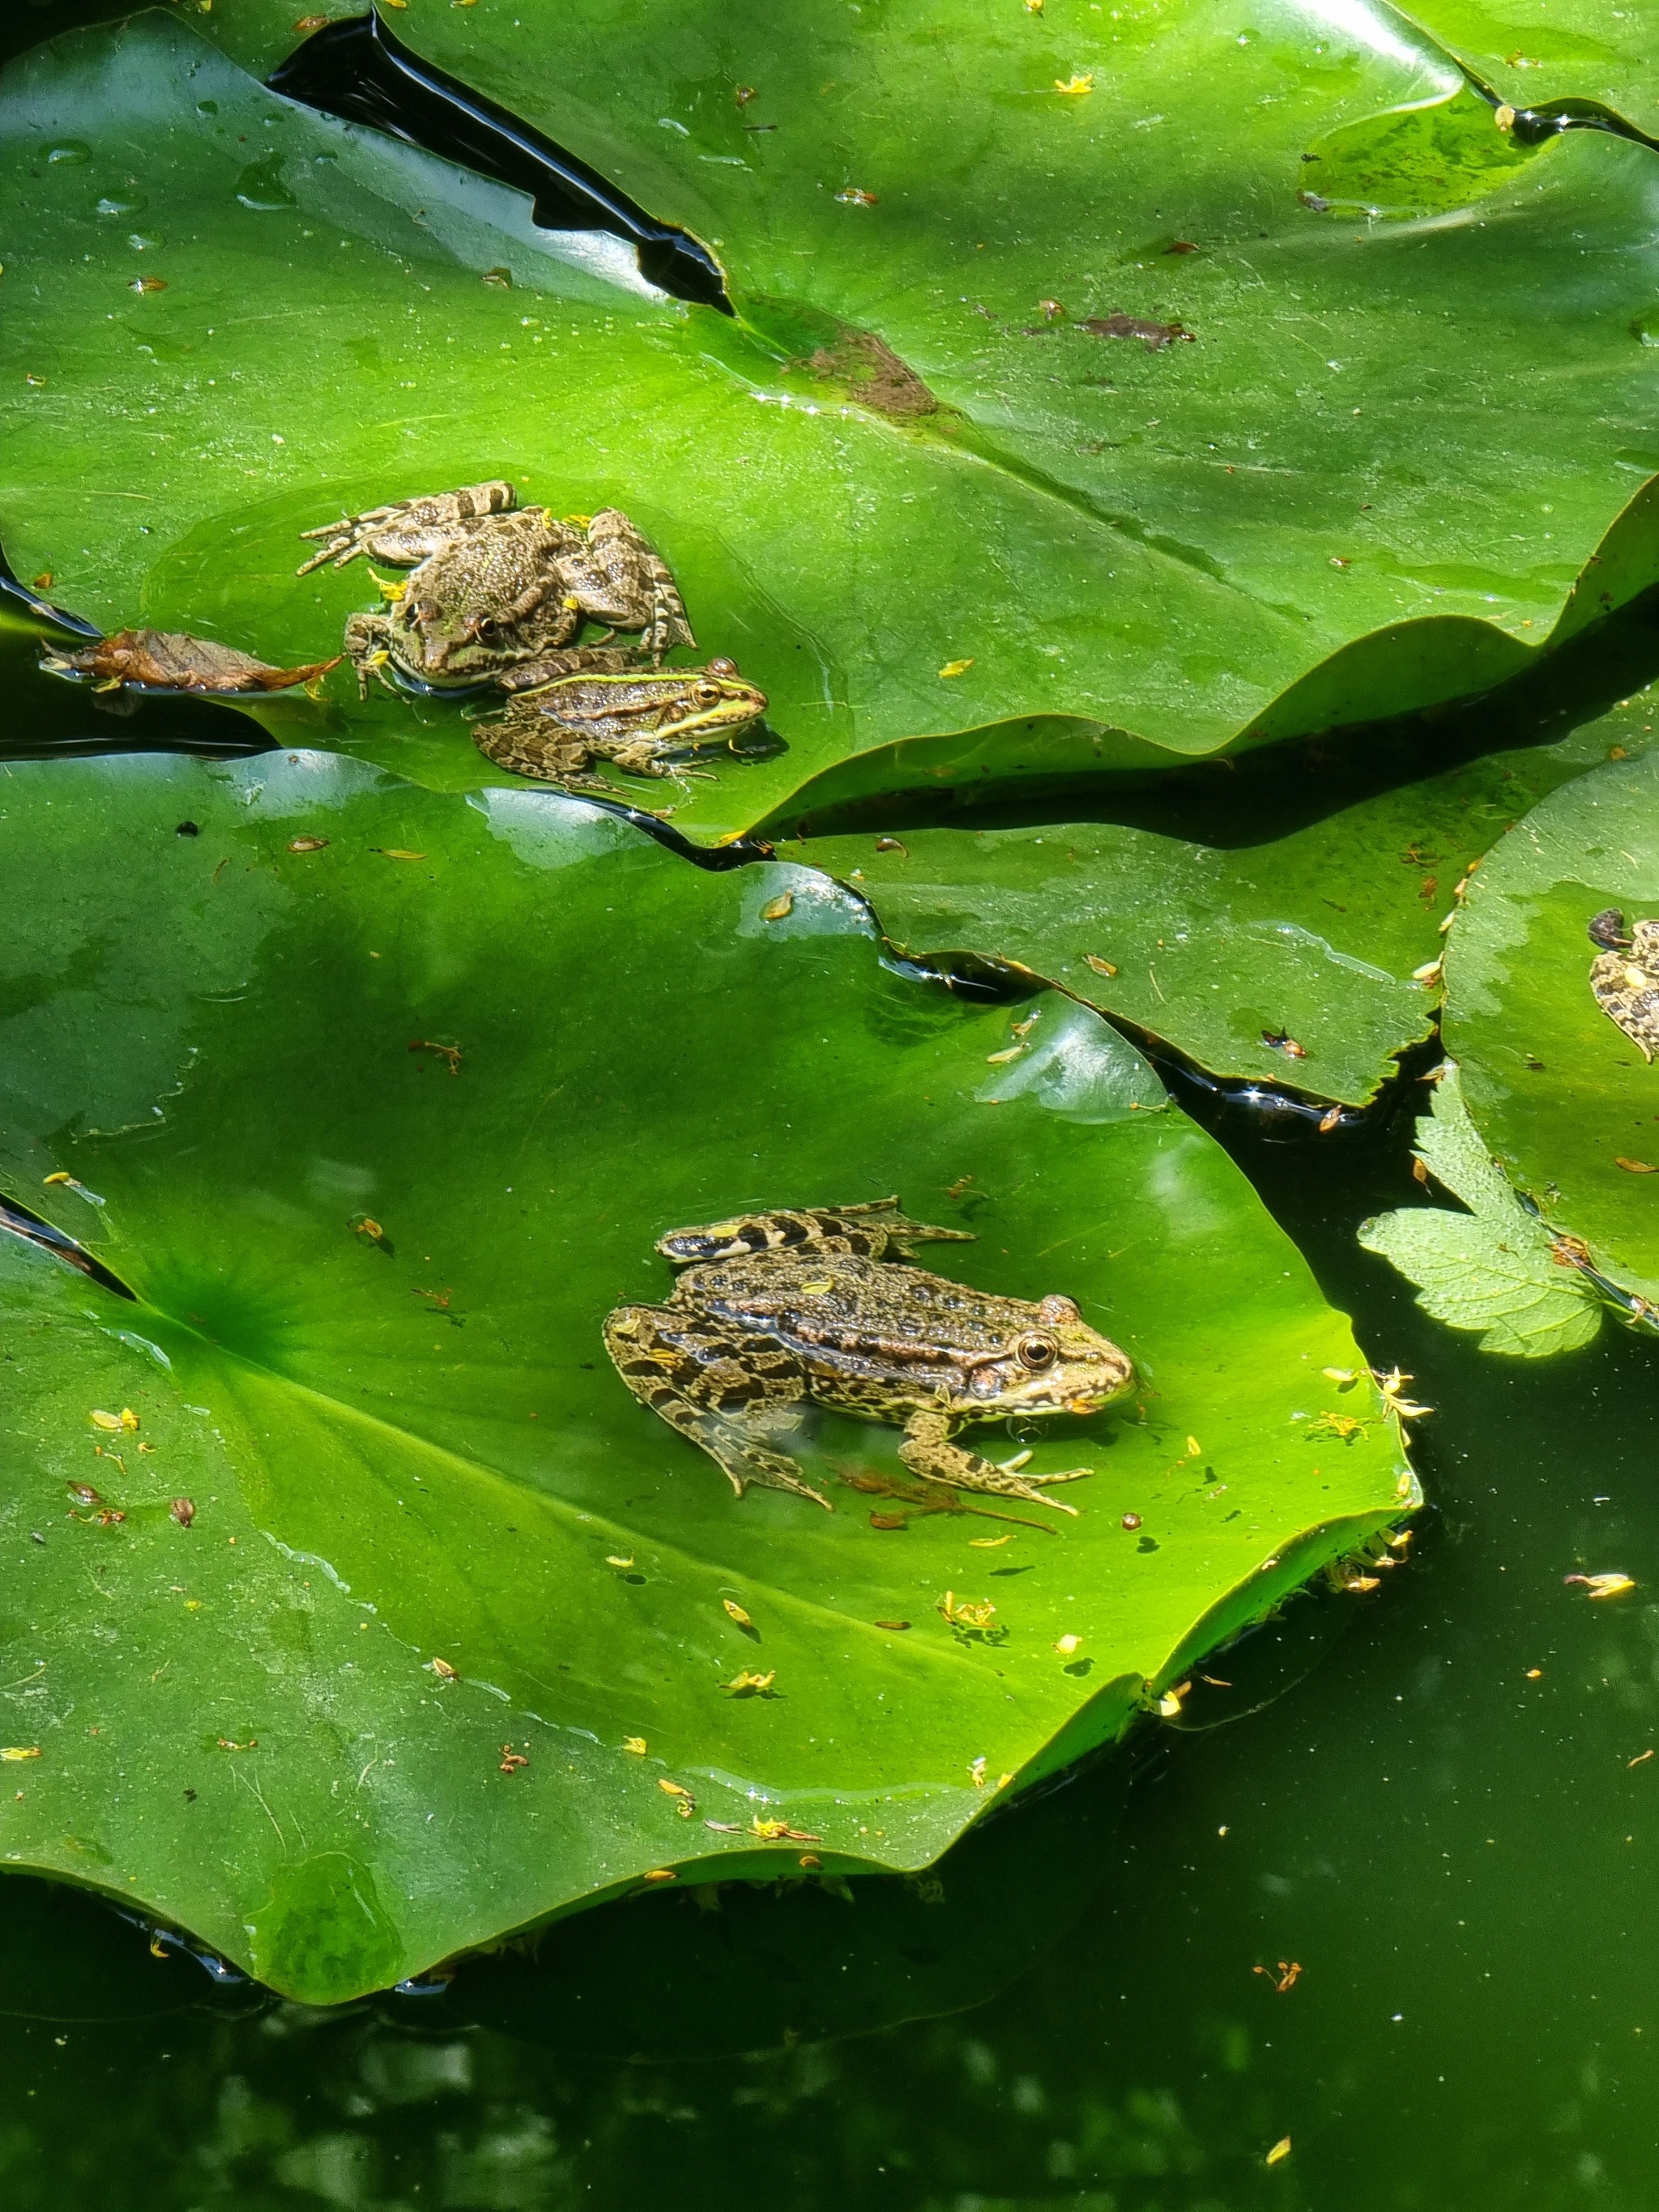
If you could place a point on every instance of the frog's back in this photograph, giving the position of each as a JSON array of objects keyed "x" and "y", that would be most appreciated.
[{"x": 844, "y": 1302}]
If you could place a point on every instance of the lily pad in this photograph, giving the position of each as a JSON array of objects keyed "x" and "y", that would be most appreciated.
[
  {"x": 1094, "y": 551},
  {"x": 1561, "y": 1096},
  {"x": 377, "y": 1100},
  {"x": 1291, "y": 957}
]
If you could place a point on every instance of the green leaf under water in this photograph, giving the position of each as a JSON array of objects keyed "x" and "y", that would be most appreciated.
[
  {"x": 1354, "y": 491},
  {"x": 378, "y": 1099}
]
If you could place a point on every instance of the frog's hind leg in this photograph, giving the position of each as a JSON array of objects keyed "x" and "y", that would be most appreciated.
[
  {"x": 726, "y": 1406},
  {"x": 624, "y": 581},
  {"x": 927, "y": 1451},
  {"x": 407, "y": 532},
  {"x": 531, "y": 744},
  {"x": 865, "y": 1231}
]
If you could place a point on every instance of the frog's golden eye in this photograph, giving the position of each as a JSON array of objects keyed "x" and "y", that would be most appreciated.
[
  {"x": 707, "y": 695},
  {"x": 1036, "y": 1353}
]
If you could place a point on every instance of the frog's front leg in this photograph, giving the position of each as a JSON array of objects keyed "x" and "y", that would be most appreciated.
[
  {"x": 368, "y": 648},
  {"x": 725, "y": 1394},
  {"x": 927, "y": 1450},
  {"x": 642, "y": 757},
  {"x": 408, "y": 531}
]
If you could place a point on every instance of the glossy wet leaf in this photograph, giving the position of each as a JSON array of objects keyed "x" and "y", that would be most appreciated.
[
  {"x": 1534, "y": 54},
  {"x": 365, "y": 1345},
  {"x": 1561, "y": 1096},
  {"x": 1262, "y": 950},
  {"x": 1495, "y": 1267},
  {"x": 1355, "y": 490}
]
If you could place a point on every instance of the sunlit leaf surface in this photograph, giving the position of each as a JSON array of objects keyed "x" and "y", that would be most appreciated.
[
  {"x": 378, "y": 1099},
  {"x": 1360, "y": 469}
]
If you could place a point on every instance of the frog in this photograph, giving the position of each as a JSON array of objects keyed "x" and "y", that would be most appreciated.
[
  {"x": 494, "y": 587},
  {"x": 1624, "y": 977},
  {"x": 606, "y": 707},
  {"x": 827, "y": 1306}
]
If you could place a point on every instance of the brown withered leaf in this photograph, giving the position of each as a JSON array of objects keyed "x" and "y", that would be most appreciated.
[
  {"x": 172, "y": 660},
  {"x": 1154, "y": 336}
]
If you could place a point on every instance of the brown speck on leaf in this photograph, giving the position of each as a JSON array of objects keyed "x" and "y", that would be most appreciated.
[
  {"x": 183, "y": 1511},
  {"x": 1277, "y": 1041},
  {"x": 1329, "y": 1120},
  {"x": 1313, "y": 202},
  {"x": 307, "y": 844},
  {"x": 850, "y": 196},
  {"x": 45, "y": 580},
  {"x": 148, "y": 284},
  {"x": 889, "y": 1521},
  {"x": 1101, "y": 967},
  {"x": 1633, "y": 1167},
  {"x": 775, "y": 909},
  {"x": 512, "y": 1760},
  {"x": 172, "y": 660},
  {"x": 743, "y": 93},
  {"x": 893, "y": 845},
  {"x": 897, "y": 1627},
  {"x": 500, "y": 280},
  {"x": 450, "y": 1055},
  {"x": 1181, "y": 246},
  {"x": 1570, "y": 1252},
  {"x": 1131, "y": 1521},
  {"x": 871, "y": 372},
  {"x": 1155, "y": 336},
  {"x": 307, "y": 24},
  {"x": 444, "y": 1671}
]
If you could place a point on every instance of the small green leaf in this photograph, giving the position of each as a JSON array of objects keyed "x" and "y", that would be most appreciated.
[{"x": 1493, "y": 1268}]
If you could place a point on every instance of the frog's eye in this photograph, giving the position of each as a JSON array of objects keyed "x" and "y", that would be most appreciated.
[
  {"x": 1036, "y": 1353},
  {"x": 707, "y": 695}
]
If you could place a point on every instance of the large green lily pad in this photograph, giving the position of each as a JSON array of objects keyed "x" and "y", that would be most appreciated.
[
  {"x": 365, "y": 1345},
  {"x": 1291, "y": 956},
  {"x": 1562, "y": 1097},
  {"x": 1307, "y": 515}
]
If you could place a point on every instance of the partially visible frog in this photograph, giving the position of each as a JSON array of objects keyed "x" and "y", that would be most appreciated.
[
  {"x": 608, "y": 709},
  {"x": 1624, "y": 977},
  {"x": 495, "y": 586},
  {"x": 779, "y": 1309}
]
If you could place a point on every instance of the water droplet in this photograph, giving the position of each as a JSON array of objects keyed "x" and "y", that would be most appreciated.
[
  {"x": 206, "y": 107},
  {"x": 121, "y": 203},
  {"x": 260, "y": 187},
  {"x": 71, "y": 150}
]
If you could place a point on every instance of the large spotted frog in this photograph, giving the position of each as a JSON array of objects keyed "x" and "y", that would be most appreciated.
[
  {"x": 822, "y": 1304},
  {"x": 494, "y": 587}
]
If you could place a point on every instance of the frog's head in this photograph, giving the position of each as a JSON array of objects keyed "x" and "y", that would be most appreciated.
[
  {"x": 1054, "y": 1364},
  {"x": 697, "y": 706}
]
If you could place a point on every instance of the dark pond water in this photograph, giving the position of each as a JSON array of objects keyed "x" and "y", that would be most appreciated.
[{"x": 1434, "y": 1800}]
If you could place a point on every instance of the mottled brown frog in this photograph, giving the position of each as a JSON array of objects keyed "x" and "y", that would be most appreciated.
[{"x": 823, "y": 1304}]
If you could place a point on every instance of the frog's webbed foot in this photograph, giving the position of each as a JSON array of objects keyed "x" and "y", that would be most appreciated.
[
  {"x": 927, "y": 1451},
  {"x": 689, "y": 1377},
  {"x": 407, "y": 532},
  {"x": 620, "y": 578}
]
